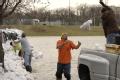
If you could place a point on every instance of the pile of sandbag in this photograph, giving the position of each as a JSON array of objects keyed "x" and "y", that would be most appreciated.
[
  {"x": 14, "y": 66},
  {"x": 113, "y": 48}
]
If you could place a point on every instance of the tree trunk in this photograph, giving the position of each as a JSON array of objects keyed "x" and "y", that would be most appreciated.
[
  {"x": 1, "y": 20},
  {"x": 1, "y": 17}
]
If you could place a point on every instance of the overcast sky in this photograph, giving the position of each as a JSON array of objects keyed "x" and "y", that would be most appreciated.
[{"x": 73, "y": 3}]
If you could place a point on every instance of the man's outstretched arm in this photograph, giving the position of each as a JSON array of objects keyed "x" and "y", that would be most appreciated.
[{"x": 104, "y": 5}]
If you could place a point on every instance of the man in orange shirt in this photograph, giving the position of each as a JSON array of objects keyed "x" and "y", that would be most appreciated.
[{"x": 64, "y": 47}]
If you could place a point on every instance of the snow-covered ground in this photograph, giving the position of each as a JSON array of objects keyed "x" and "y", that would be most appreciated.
[{"x": 45, "y": 68}]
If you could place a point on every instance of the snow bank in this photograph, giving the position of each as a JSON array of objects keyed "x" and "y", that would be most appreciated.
[{"x": 14, "y": 65}]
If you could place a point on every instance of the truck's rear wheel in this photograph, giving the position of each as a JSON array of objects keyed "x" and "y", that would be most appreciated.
[{"x": 84, "y": 73}]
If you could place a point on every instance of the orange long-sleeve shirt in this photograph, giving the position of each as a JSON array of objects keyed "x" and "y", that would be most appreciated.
[{"x": 64, "y": 53}]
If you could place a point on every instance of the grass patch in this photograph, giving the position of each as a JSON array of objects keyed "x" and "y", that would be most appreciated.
[{"x": 74, "y": 30}]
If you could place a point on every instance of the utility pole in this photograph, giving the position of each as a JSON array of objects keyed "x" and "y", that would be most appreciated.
[{"x": 69, "y": 13}]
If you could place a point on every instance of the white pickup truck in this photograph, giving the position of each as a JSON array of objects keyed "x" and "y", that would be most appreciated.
[{"x": 98, "y": 65}]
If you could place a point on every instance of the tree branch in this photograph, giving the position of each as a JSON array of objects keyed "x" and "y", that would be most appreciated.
[
  {"x": 3, "y": 3},
  {"x": 6, "y": 6},
  {"x": 9, "y": 13},
  {"x": 104, "y": 5}
]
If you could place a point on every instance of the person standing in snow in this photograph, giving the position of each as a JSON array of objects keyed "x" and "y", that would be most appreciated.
[
  {"x": 64, "y": 47},
  {"x": 27, "y": 52}
]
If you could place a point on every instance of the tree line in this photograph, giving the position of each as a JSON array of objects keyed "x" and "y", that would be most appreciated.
[{"x": 70, "y": 16}]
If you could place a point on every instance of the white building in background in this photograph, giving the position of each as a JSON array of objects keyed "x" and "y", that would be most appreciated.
[
  {"x": 86, "y": 25},
  {"x": 57, "y": 22},
  {"x": 30, "y": 21},
  {"x": 35, "y": 21}
]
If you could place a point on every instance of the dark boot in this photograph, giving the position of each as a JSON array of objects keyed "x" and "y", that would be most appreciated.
[
  {"x": 68, "y": 76},
  {"x": 28, "y": 68},
  {"x": 58, "y": 79}
]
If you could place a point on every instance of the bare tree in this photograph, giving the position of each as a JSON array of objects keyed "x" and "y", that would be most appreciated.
[
  {"x": 86, "y": 12},
  {"x": 7, "y": 7},
  {"x": 4, "y": 5}
]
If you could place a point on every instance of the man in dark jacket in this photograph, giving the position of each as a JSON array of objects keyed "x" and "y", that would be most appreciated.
[{"x": 109, "y": 23}]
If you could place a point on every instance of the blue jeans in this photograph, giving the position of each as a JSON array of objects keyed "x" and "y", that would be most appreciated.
[
  {"x": 63, "y": 68},
  {"x": 111, "y": 38},
  {"x": 27, "y": 59}
]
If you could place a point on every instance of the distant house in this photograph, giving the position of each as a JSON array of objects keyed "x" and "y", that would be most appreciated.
[
  {"x": 35, "y": 21},
  {"x": 29, "y": 21},
  {"x": 21, "y": 21},
  {"x": 57, "y": 22},
  {"x": 32, "y": 22}
]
